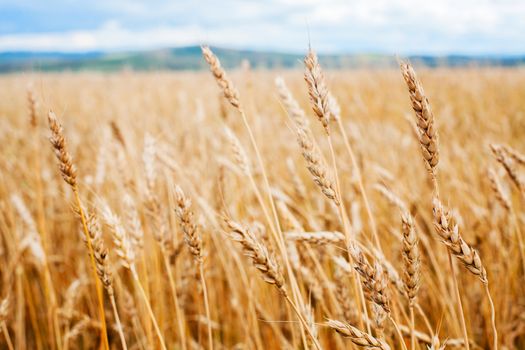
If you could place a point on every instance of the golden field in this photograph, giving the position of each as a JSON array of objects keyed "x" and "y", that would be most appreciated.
[{"x": 184, "y": 209}]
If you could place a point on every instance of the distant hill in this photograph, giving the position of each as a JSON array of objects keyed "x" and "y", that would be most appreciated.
[{"x": 189, "y": 58}]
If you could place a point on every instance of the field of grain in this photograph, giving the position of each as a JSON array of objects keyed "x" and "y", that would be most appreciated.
[{"x": 172, "y": 213}]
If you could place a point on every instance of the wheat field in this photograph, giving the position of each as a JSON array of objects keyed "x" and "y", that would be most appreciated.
[{"x": 273, "y": 210}]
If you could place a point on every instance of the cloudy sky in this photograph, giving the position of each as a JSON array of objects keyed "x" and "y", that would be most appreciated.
[{"x": 384, "y": 26}]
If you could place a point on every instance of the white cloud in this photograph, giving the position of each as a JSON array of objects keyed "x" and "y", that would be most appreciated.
[{"x": 400, "y": 26}]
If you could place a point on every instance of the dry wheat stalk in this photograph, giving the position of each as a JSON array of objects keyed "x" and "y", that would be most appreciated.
[
  {"x": 65, "y": 162},
  {"x": 348, "y": 311},
  {"x": 298, "y": 185},
  {"x": 31, "y": 239},
  {"x": 123, "y": 244},
  {"x": 317, "y": 89},
  {"x": 391, "y": 197},
  {"x": 229, "y": 90},
  {"x": 239, "y": 153},
  {"x": 334, "y": 107},
  {"x": 148, "y": 158},
  {"x": 508, "y": 164},
  {"x": 358, "y": 337},
  {"x": 316, "y": 166},
  {"x": 448, "y": 230},
  {"x": 292, "y": 107},
  {"x": 411, "y": 259},
  {"x": 500, "y": 194},
  {"x": 318, "y": 238},
  {"x": 5, "y": 305},
  {"x": 133, "y": 222},
  {"x": 427, "y": 134},
  {"x": 258, "y": 253}
]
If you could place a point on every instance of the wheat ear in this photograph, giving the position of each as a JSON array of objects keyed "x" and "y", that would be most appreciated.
[
  {"x": 508, "y": 164},
  {"x": 267, "y": 265},
  {"x": 448, "y": 230},
  {"x": 317, "y": 238},
  {"x": 374, "y": 280},
  {"x": 514, "y": 154},
  {"x": 317, "y": 89},
  {"x": 357, "y": 336},
  {"x": 292, "y": 107},
  {"x": 316, "y": 166},
  {"x": 412, "y": 266},
  {"x": 229, "y": 90},
  {"x": 427, "y": 134}
]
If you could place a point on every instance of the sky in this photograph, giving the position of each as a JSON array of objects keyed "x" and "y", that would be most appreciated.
[{"x": 332, "y": 26}]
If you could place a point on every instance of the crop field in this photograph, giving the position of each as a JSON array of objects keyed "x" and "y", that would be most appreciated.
[{"x": 263, "y": 209}]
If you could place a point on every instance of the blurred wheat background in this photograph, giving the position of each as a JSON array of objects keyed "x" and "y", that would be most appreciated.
[{"x": 189, "y": 220}]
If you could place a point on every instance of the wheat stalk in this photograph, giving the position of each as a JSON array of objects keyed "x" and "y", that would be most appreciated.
[
  {"x": 68, "y": 172},
  {"x": 316, "y": 166}
]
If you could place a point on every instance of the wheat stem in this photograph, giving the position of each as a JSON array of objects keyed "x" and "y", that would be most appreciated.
[
  {"x": 458, "y": 300},
  {"x": 117, "y": 320},
  {"x": 178, "y": 312},
  {"x": 148, "y": 307},
  {"x": 7, "y": 337},
  {"x": 206, "y": 306},
  {"x": 98, "y": 287}
]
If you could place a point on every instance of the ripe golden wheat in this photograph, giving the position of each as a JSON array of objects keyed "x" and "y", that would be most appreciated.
[{"x": 280, "y": 210}]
